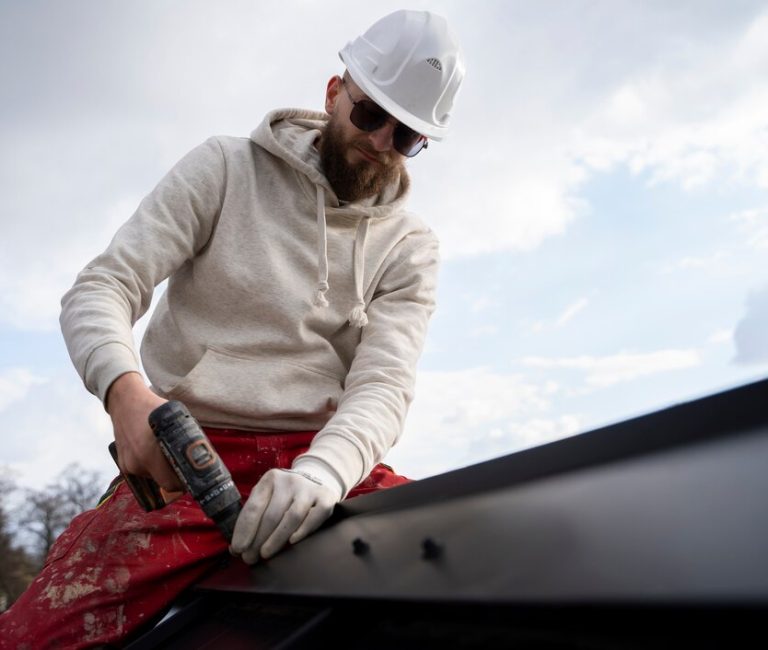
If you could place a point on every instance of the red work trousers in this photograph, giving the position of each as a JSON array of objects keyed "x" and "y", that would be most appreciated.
[{"x": 117, "y": 568}]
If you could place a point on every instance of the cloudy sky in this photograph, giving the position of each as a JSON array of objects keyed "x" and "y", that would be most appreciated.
[{"x": 602, "y": 202}]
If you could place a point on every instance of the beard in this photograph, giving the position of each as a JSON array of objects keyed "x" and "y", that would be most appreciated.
[{"x": 354, "y": 181}]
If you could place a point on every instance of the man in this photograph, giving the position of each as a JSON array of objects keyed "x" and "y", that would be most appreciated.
[{"x": 298, "y": 298}]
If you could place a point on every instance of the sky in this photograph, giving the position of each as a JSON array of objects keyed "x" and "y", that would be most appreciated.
[{"x": 602, "y": 200}]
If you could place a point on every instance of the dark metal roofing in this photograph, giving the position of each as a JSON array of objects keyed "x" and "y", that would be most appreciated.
[{"x": 599, "y": 540}]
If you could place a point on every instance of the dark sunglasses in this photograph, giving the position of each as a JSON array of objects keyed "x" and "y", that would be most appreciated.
[{"x": 368, "y": 116}]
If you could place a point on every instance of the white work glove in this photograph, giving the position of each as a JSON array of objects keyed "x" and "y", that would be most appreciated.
[{"x": 284, "y": 506}]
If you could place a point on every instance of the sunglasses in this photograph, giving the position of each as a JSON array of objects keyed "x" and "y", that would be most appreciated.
[{"x": 369, "y": 116}]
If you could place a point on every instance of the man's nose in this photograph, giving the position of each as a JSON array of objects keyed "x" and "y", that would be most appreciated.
[{"x": 381, "y": 138}]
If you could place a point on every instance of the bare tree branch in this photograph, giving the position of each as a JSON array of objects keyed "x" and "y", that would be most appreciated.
[
  {"x": 17, "y": 568},
  {"x": 46, "y": 513}
]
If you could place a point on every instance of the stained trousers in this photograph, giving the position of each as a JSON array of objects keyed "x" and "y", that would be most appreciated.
[{"x": 116, "y": 568}]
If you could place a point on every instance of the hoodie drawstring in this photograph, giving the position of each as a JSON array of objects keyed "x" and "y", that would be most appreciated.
[
  {"x": 322, "y": 251},
  {"x": 357, "y": 317}
]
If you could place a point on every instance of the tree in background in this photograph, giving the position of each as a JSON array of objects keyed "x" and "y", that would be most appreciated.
[
  {"x": 45, "y": 513},
  {"x": 42, "y": 515},
  {"x": 17, "y": 567}
]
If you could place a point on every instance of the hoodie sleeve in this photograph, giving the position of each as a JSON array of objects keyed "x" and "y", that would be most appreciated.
[
  {"x": 379, "y": 386},
  {"x": 115, "y": 289}
]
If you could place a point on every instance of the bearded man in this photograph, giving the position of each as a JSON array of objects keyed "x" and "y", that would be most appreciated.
[{"x": 299, "y": 291}]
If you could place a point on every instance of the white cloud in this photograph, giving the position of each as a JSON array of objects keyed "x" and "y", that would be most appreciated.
[
  {"x": 15, "y": 383},
  {"x": 721, "y": 336},
  {"x": 520, "y": 204},
  {"x": 683, "y": 124},
  {"x": 481, "y": 304},
  {"x": 483, "y": 331},
  {"x": 698, "y": 117},
  {"x": 601, "y": 372},
  {"x": 48, "y": 237},
  {"x": 691, "y": 262},
  {"x": 562, "y": 319},
  {"x": 570, "y": 312},
  {"x": 461, "y": 417},
  {"x": 751, "y": 333},
  {"x": 56, "y": 423},
  {"x": 539, "y": 430},
  {"x": 686, "y": 113},
  {"x": 754, "y": 223},
  {"x": 717, "y": 262}
]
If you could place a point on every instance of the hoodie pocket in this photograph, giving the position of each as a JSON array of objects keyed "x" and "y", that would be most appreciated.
[{"x": 254, "y": 387}]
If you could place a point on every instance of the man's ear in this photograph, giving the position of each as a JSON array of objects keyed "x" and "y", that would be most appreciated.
[{"x": 332, "y": 91}]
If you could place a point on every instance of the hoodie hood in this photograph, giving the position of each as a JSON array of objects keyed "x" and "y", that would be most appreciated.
[{"x": 291, "y": 134}]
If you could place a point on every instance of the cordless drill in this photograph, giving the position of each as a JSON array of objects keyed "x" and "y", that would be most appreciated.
[{"x": 196, "y": 463}]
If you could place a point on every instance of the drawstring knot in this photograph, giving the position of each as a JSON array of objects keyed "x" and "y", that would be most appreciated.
[
  {"x": 320, "y": 299},
  {"x": 357, "y": 317}
]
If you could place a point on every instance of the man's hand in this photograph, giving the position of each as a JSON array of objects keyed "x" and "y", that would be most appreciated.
[
  {"x": 284, "y": 506},
  {"x": 129, "y": 403}
]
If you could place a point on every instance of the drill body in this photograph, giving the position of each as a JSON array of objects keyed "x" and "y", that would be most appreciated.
[{"x": 195, "y": 461}]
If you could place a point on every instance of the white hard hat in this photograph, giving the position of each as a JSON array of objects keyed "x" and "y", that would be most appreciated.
[{"x": 410, "y": 64}]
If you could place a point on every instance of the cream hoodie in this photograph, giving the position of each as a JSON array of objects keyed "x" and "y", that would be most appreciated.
[{"x": 284, "y": 310}]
